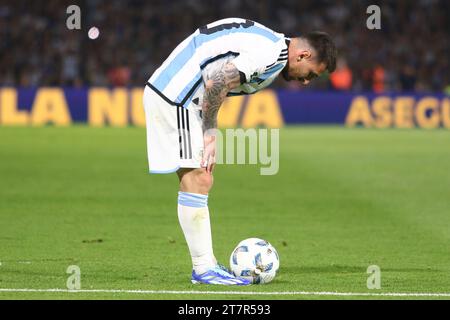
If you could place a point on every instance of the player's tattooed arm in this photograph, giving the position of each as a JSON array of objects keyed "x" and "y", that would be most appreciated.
[{"x": 218, "y": 84}]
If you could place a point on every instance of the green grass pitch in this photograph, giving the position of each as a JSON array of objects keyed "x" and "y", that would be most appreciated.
[{"x": 344, "y": 199}]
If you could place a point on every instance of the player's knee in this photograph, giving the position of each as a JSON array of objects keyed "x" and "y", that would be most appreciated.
[
  {"x": 196, "y": 181},
  {"x": 204, "y": 180}
]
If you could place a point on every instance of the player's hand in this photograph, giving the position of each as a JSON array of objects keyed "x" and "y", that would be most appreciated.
[{"x": 209, "y": 151}]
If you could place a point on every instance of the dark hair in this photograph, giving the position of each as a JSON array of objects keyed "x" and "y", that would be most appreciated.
[{"x": 325, "y": 48}]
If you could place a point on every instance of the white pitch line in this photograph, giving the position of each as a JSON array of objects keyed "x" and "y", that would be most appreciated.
[{"x": 285, "y": 293}]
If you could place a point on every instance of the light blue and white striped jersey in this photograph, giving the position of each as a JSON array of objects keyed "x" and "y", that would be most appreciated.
[{"x": 258, "y": 53}]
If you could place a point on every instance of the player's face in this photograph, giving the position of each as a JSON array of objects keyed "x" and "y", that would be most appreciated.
[
  {"x": 304, "y": 68},
  {"x": 308, "y": 70}
]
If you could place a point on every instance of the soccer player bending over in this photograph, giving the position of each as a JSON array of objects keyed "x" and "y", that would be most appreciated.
[{"x": 182, "y": 98}]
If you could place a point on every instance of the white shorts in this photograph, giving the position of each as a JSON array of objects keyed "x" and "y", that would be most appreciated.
[{"x": 174, "y": 134}]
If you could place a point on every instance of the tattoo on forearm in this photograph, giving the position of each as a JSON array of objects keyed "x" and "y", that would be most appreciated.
[{"x": 217, "y": 87}]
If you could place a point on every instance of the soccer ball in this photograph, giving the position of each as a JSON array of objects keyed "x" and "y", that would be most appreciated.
[{"x": 255, "y": 260}]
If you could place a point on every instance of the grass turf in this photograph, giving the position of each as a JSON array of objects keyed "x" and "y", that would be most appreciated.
[{"x": 343, "y": 199}]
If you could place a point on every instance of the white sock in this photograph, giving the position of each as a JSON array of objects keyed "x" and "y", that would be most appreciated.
[{"x": 193, "y": 215}]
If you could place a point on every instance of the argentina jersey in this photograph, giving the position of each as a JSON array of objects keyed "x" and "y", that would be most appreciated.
[{"x": 257, "y": 52}]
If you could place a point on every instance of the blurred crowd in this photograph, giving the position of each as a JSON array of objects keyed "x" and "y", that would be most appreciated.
[{"x": 410, "y": 53}]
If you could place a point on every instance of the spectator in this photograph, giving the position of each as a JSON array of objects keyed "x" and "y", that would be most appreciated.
[
  {"x": 36, "y": 49},
  {"x": 342, "y": 77},
  {"x": 378, "y": 78}
]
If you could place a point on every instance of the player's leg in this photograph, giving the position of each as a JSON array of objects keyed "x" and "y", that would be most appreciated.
[{"x": 193, "y": 214}]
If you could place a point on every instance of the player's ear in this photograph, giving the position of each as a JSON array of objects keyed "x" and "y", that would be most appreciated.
[{"x": 304, "y": 54}]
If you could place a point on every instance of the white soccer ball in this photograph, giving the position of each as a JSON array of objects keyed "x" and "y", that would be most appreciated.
[{"x": 256, "y": 260}]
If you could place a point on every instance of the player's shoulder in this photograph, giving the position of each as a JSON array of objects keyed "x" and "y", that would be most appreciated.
[
  {"x": 266, "y": 49},
  {"x": 253, "y": 38}
]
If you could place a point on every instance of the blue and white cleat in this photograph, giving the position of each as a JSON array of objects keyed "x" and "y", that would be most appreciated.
[
  {"x": 221, "y": 266},
  {"x": 218, "y": 275}
]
